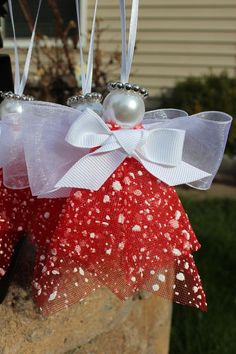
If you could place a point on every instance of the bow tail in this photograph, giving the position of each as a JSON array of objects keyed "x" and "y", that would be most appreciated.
[
  {"x": 55, "y": 193},
  {"x": 173, "y": 176},
  {"x": 92, "y": 171}
]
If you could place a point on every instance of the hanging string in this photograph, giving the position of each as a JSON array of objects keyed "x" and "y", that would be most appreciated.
[
  {"x": 86, "y": 79},
  {"x": 128, "y": 50},
  {"x": 17, "y": 68},
  {"x": 20, "y": 82}
]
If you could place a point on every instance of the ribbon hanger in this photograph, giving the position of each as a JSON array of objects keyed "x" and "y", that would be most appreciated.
[
  {"x": 128, "y": 50},
  {"x": 86, "y": 78},
  {"x": 20, "y": 82}
]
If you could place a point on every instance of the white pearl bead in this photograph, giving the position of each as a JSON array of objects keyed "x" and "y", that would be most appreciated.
[
  {"x": 10, "y": 106},
  {"x": 94, "y": 106},
  {"x": 124, "y": 108}
]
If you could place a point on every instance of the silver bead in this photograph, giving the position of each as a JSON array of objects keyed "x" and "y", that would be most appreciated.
[
  {"x": 81, "y": 106},
  {"x": 136, "y": 88},
  {"x": 111, "y": 85},
  {"x": 88, "y": 97},
  {"x": 128, "y": 86},
  {"x": 120, "y": 85},
  {"x": 143, "y": 91},
  {"x": 124, "y": 108}
]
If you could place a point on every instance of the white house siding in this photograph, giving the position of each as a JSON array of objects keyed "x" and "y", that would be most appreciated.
[{"x": 176, "y": 38}]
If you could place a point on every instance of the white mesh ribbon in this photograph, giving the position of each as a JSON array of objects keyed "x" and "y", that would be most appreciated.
[
  {"x": 47, "y": 154},
  {"x": 11, "y": 135},
  {"x": 12, "y": 151},
  {"x": 181, "y": 150},
  {"x": 205, "y": 140}
]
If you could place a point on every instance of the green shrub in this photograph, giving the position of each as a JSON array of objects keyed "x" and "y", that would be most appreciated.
[
  {"x": 214, "y": 332},
  {"x": 210, "y": 92}
]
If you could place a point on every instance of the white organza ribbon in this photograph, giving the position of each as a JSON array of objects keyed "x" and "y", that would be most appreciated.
[
  {"x": 49, "y": 156},
  {"x": 158, "y": 150}
]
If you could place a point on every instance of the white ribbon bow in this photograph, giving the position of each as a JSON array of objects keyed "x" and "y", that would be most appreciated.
[{"x": 158, "y": 150}]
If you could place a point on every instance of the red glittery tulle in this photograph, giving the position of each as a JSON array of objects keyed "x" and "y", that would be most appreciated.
[
  {"x": 131, "y": 235},
  {"x": 22, "y": 214}
]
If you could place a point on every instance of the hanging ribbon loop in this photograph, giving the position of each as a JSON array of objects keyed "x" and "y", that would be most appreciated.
[
  {"x": 20, "y": 82},
  {"x": 127, "y": 51},
  {"x": 86, "y": 79}
]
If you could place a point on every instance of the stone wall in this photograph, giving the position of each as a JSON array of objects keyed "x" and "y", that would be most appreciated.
[{"x": 101, "y": 324}]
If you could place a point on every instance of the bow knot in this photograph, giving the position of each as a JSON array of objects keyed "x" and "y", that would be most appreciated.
[{"x": 130, "y": 140}]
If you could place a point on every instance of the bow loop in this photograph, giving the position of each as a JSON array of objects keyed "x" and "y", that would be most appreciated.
[
  {"x": 88, "y": 131},
  {"x": 164, "y": 146}
]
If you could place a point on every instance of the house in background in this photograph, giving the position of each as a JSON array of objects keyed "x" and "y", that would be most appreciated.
[{"x": 176, "y": 38}]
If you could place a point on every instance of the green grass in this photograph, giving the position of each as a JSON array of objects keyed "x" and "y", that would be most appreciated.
[{"x": 214, "y": 332}]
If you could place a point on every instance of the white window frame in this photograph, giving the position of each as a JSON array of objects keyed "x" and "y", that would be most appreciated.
[{"x": 24, "y": 42}]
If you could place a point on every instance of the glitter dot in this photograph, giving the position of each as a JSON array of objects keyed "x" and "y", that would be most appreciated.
[
  {"x": 78, "y": 249},
  {"x": 121, "y": 245},
  {"x": 127, "y": 181},
  {"x": 186, "y": 265},
  {"x": 54, "y": 252},
  {"x": 81, "y": 271},
  {"x": 174, "y": 224},
  {"x": 180, "y": 276},
  {"x": 161, "y": 277},
  {"x": 176, "y": 252},
  {"x": 186, "y": 234},
  {"x": 177, "y": 215},
  {"x": 138, "y": 192},
  {"x": 155, "y": 287},
  {"x": 52, "y": 296},
  {"x": 46, "y": 215},
  {"x": 78, "y": 195},
  {"x": 167, "y": 236},
  {"x": 116, "y": 186},
  {"x": 121, "y": 219},
  {"x": 136, "y": 228},
  {"x": 149, "y": 217},
  {"x": 106, "y": 199},
  {"x": 195, "y": 289}
]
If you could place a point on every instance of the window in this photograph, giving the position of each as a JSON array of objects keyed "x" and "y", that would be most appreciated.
[{"x": 46, "y": 24}]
